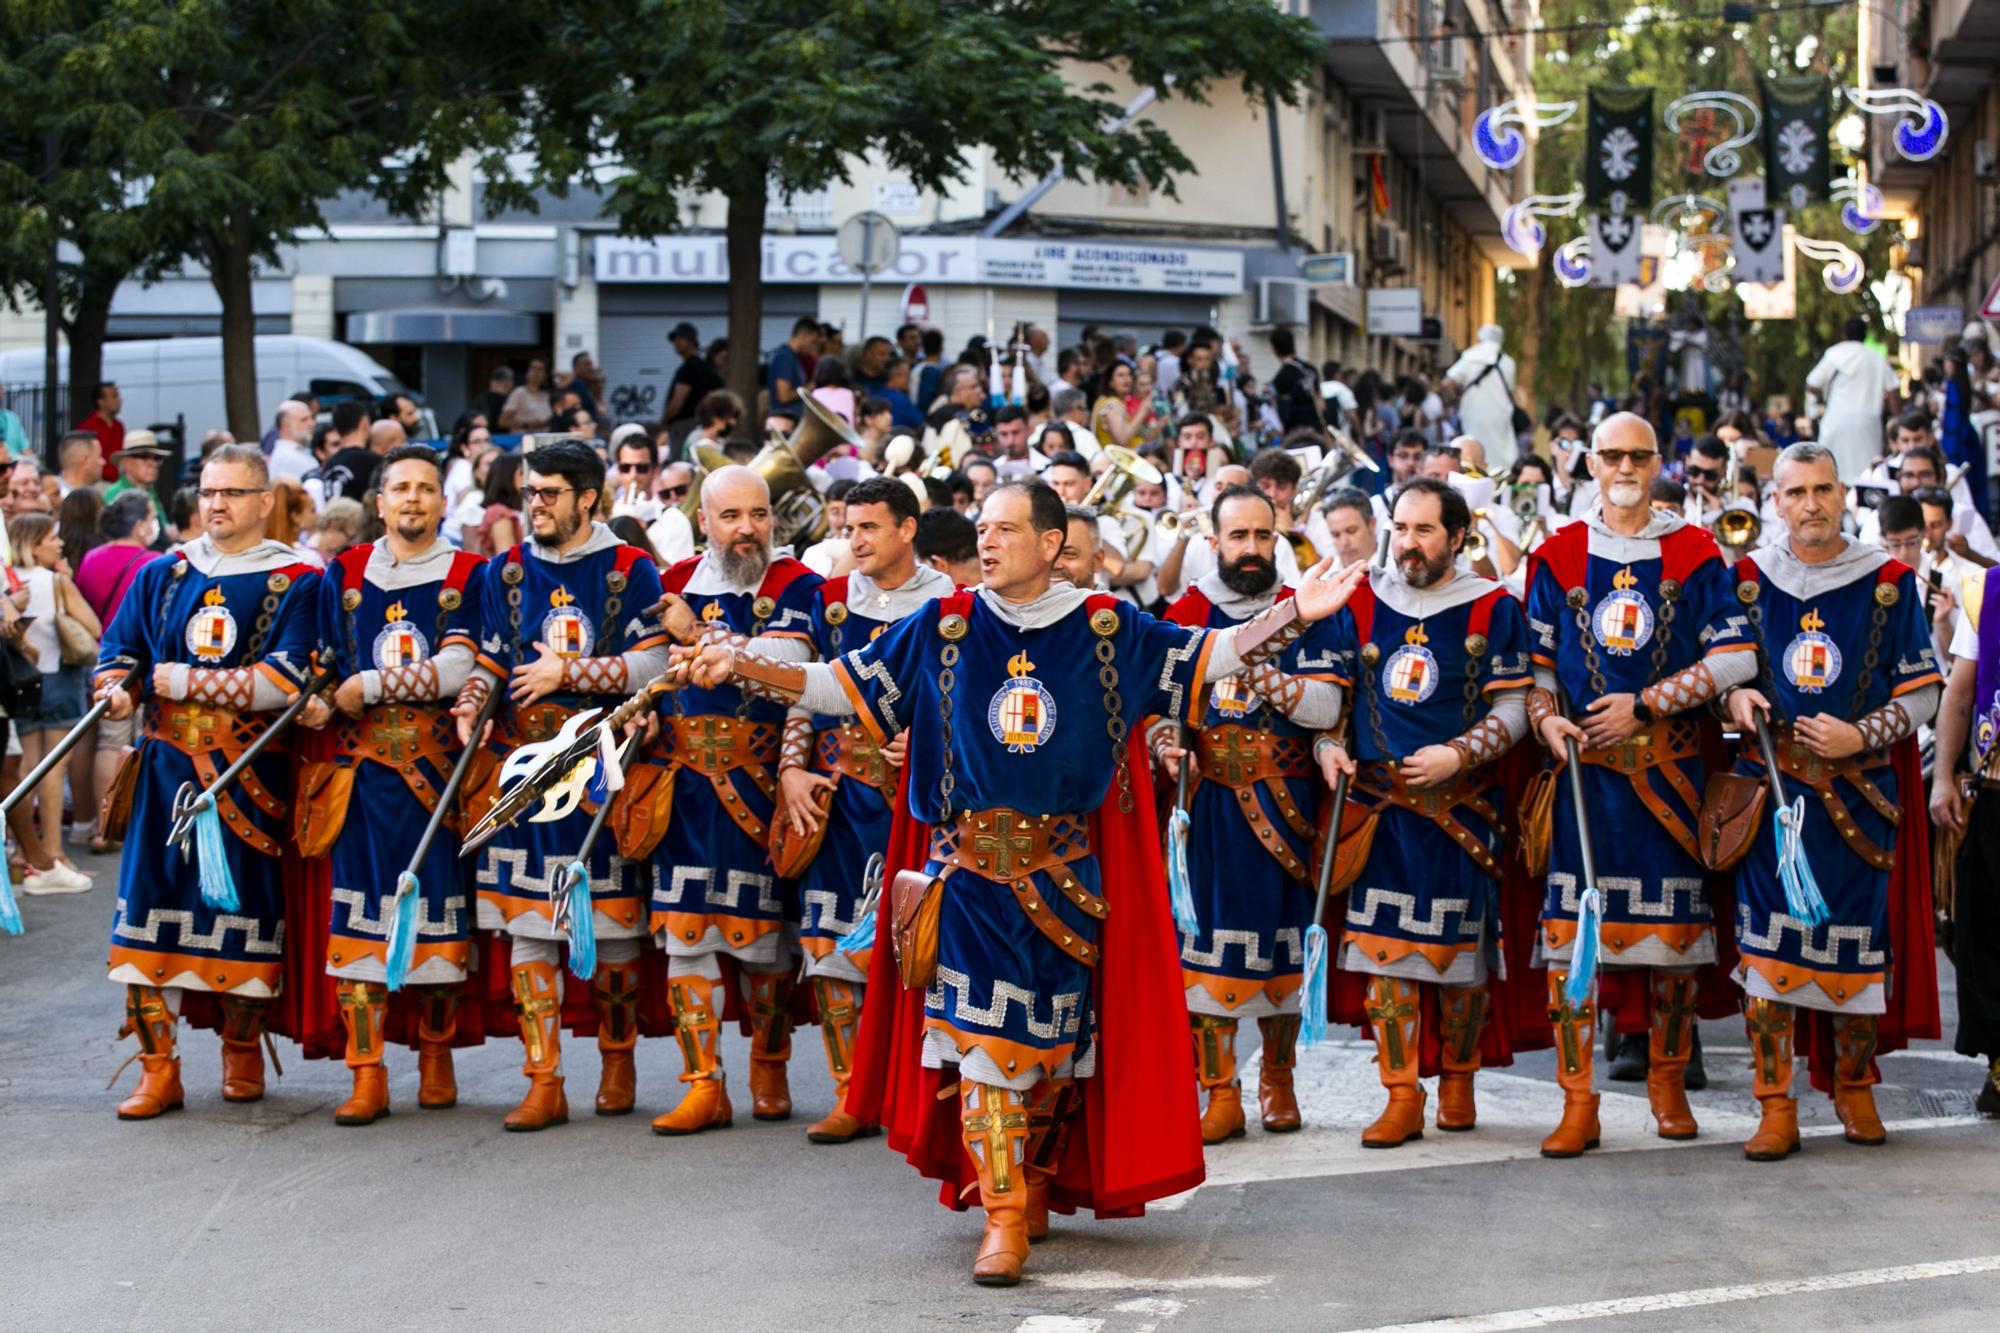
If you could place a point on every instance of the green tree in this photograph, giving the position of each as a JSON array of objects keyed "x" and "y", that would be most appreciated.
[
  {"x": 234, "y": 120},
  {"x": 1676, "y": 55},
  {"x": 745, "y": 97}
]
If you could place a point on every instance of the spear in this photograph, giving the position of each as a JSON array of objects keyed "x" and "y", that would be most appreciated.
[
  {"x": 1802, "y": 896},
  {"x": 1180, "y": 888},
  {"x": 10, "y": 910},
  {"x": 572, "y": 903},
  {"x": 1312, "y": 998},
  {"x": 1590, "y": 905}
]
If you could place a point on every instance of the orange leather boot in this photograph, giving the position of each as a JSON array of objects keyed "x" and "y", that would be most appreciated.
[
  {"x": 437, "y": 1025},
  {"x": 1048, "y": 1107},
  {"x": 1275, "y": 1098},
  {"x": 770, "y": 1044},
  {"x": 996, "y": 1138},
  {"x": 1670, "y": 1044},
  {"x": 615, "y": 991},
  {"x": 538, "y": 1005},
  {"x": 1769, "y": 1024},
  {"x": 699, "y": 1024},
  {"x": 1853, "y": 1077},
  {"x": 242, "y": 1049},
  {"x": 1576, "y": 1040},
  {"x": 159, "y": 1090},
  {"x": 1462, "y": 1018},
  {"x": 839, "y": 1016},
  {"x": 363, "y": 1006},
  {"x": 1396, "y": 1018},
  {"x": 1215, "y": 1070}
]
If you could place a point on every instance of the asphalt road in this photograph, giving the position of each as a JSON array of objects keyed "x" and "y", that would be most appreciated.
[{"x": 271, "y": 1217}]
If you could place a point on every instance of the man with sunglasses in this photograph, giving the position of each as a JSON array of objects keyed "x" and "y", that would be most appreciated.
[
  {"x": 210, "y": 638},
  {"x": 1706, "y": 477},
  {"x": 561, "y": 626},
  {"x": 1632, "y": 622},
  {"x": 670, "y": 532}
]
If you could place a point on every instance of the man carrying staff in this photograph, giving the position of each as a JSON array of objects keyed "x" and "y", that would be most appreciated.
[
  {"x": 837, "y": 756},
  {"x": 385, "y": 611},
  {"x": 1249, "y": 851},
  {"x": 1037, "y": 879},
  {"x": 210, "y": 637},
  {"x": 1849, "y": 673},
  {"x": 1633, "y": 625},
  {"x": 716, "y": 893},
  {"x": 561, "y": 626},
  {"x": 1440, "y": 679}
]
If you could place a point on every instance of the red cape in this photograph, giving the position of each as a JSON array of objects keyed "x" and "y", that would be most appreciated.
[{"x": 1140, "y": 1116}]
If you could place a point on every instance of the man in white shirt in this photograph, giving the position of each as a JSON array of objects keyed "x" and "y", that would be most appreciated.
[
  {"x": 291, "y": 448},
  {"x": 1485, "y": 376},
  {"x": 671, "y": 533},
  {"x": 1921, "y": 469},
  {"x": 1857, "y": 384}
]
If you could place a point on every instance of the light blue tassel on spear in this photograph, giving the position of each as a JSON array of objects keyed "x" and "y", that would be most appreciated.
[
  {"x": 1312, "y": 989},
  {"x": 574, "y": 914},
  {"x": 1802, "y": 896},
  {"x": 409, "y": 889},
  {"x": 1180, "y": 886},
  {"x": 1590, "y": 905},
  {"x": 863, "y": 934}
]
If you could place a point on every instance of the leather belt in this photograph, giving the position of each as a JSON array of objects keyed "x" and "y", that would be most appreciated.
[
  {"x": 850, "y": 751},
  {"x": 1661, "y": 746},
  {"x": 1245, "y": 759},
  {"x": 1009, "y": 847},
  {"x": 1798, "y": 762},
  {"x": 714, "y": 745},
  {"x": 1440, "y": 804},
  {"x": 201, "y": 731},
  {"x": 397, "y": 736}
]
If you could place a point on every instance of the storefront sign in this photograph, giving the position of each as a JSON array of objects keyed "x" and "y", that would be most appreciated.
[
  {"x": 967, "y": 260},
  {"x": 1395, "y": 312},
  {"x": 1933, "y": 325}
]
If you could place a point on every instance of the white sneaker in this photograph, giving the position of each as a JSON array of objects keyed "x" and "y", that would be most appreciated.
[{"x": 58, "y": 878}]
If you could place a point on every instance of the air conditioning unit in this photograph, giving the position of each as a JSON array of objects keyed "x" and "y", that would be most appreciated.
[
  {"x": 1448, "y": 61},
  {"x": 1371, "y": 131},
  {"x": 1983, "y": 164},
  {"x": 1282, "y": 301},
  {"x": 1390, "y": 251}
]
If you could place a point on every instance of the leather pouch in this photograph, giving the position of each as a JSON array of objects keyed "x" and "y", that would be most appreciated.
[
  {"x": 1538, "y": 805},
  {"x": 320, "y": 809},
  {"x": 115, "y": 812},
  {"x": 791, "y": 851},
  {"x": 641, "y": 809},
  {"x": 915, "y": 901},
  {"x": 1732, "y": 810}
]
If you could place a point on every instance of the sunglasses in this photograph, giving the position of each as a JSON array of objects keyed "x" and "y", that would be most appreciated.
[
  {"x": 635, "y": 467},
  {"x": 1704, "y": 474},
  {"x": 673, "y": 492},
  {"x": 1617, "y": 458}
]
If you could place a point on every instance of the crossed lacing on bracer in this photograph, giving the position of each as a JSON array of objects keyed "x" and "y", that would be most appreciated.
[
  {"x": 1277, "y": 688},
  {"x": 1268, "y": 633},
  {"x": 416, "y": 683},
  {"x": 476, "y": 691},
  {"x": 1884, "y": 726},
  {"x": 231, "y": 687},
  {"x": 597, "y": 675},
  {"x": 796, "y": 747},
  {"x": 1541, "y": 707},
  {"x": 1485, "y": 741},
  {"x": 1687, "y": 688}
]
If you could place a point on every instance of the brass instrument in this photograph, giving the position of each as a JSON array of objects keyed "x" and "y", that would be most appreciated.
[
  {"x": 1474, "y": 548},
  {"x": 1107, "y": 495},
  {"x": 798, "y": 513},
  {"x": 1198, "y": 522},
  {"x": 1738, "y": 528},
  {"x": 1315, "y": 485}
]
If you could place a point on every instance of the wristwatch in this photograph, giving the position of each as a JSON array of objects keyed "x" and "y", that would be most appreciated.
[{"x": 1643, "y": 711}]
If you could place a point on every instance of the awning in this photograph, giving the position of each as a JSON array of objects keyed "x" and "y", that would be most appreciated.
[{"x": 492, "y": 327}]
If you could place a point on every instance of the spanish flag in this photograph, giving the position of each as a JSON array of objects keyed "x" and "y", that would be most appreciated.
[{"x": 1378, "y": 187}]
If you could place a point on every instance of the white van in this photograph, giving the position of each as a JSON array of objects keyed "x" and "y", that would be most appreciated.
[{"x": 165, "y": 379}]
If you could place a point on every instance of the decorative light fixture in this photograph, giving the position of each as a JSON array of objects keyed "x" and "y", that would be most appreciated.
[
  {"x": 1862, "y": 211},
  {"x": 1842, "y": 270},
  {"x": 1724, "y": 159},
  {"x": 1572, "y": 262},
  {"x": 1920, "y": 135},
  {"x": 1500, "y": 146},
  {"x": 1518, "y": 225},
  {"x": 1675, "y": 209}
]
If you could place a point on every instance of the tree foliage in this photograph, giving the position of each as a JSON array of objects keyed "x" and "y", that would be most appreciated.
[{"x": 1675, "y": 57}]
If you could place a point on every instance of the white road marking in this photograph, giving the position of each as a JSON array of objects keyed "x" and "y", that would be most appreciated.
[
  {"x": 1339, "y": 1094},
  {"x": 1057, "y": 1323},
  {"x": 1542, "y": 1316},
  {"x": 1098, "y": 1279},
  {"x": 1153, "y": 1305}
]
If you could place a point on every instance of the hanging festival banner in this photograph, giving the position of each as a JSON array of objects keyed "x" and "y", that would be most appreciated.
[
  {"x": 1760, "y": 245},
  {"x": 1615, "y": 249},
  {"x": 1795, "y": 126},
  {"x": 1618, "y": 170}
]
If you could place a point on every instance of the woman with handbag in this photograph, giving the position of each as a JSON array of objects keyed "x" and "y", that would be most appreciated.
[
  {"x": 126, "y": 532},
  {"x": 62, "y": 636}
]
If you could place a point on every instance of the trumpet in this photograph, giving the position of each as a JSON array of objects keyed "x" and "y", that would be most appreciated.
[
  {"x": 1474, "y": 548},
  {"x": 1196, "y": 521},
  {"x": 1738, "y": 529}
]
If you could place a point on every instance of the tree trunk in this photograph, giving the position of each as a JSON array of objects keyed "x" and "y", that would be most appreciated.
[
  {"x": 85, "y": 331},
  {"x": 745, "y": 240},
  {"x": 228, "y": 253}
]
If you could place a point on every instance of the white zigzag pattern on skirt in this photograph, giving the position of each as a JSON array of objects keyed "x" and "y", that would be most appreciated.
[
  {"x": 828, "y": 918},
  {"x": 1634, "y": 895},
  {"x": 1064, "y": 1010},
  {"x": 554, "y": 867},
  {"x": 1289, "y": 938},
  {"x": 149, "y": 932},
  {"x": 732, "y": 889},
  {"x": 358, "y": 918},
  {"x": 1861, "y": 936},
  {"x": 1373, "y": 900}
]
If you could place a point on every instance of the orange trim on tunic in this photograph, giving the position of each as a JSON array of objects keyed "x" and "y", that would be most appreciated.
[
  {"x": 1011, "y": 1057},
  {"x": 819, "y": 946},
  {"x": 347, "y": 950},
  {"x": 222, "y": 974},
  {"x": 622, "y": 908},
  {"x": 280, "y": 679},
  {"x": 1916, "y": 683},
  {"x": 1680, "y": 936},
  {"x": 862, "y": 713},
  {"x": 692, "y": 927},
  {"x": 1784, "y": 978},
  {"x": 1233, "y": 992},
  {"x": 1198, "y": 694},
  {"x": 1390, "y": 949}
]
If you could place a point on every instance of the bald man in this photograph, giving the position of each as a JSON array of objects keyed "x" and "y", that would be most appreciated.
[
  {"x": 715, "y": 893},
  {"x": 290, "y": 450},
  {"x": 1632, "y": 620}
]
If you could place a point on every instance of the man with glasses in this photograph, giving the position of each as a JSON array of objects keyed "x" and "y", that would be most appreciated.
[
  {"x": 1706, "y": 477},
  {"x": 635, "y": 460},
  {"x": 385, "y": 610},
  {"x": 671, "y": 533},
  {"x": 562, "y": 627},
  {"x": 716, "y": 895},
  {"x": 1921, "y": 467},
  {"x": 217, "y": 634},
  {"x": 1908, "y": 536},
  {"x": 1632, "y": 622},
  {"x": 1850, "y": 676}
]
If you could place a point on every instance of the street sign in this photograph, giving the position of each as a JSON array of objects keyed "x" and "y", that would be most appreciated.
[
  {"x": 1933, "y": 325},
  {"x": 1395, "y": 311},
  {"x": 1990, "y": 307},
  {"x": 869, "y": 243},
  {"x": 1329, "y": 268}
]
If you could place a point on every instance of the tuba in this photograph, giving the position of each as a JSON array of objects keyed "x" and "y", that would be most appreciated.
[
  {"x": 798, "y": 513},
  {"x": 1107, "y": 495}
]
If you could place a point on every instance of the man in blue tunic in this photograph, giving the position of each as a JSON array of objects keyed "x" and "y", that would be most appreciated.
[
  {"x": 715, "y": 892},
  {"x": 1849, "y": 671},
  {"x": 1254, "y": 798},
  {"x": 386, "y": 610},
  {"x": 561, "y": 627},
  {"x": 1019, "y": 699},
  {"x": 211, "y": 637},
  {"x": 1632, "y": 622},
  {"x": 1440, "y": 677},
  {"x": 836, "y": 783}
]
